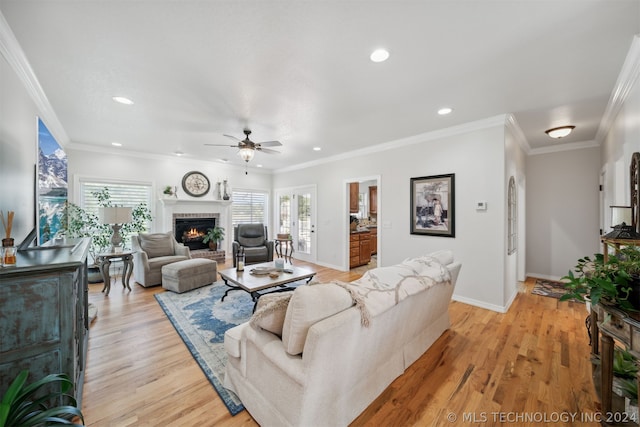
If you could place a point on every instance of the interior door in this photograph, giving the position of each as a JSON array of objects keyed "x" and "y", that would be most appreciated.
[{"x": 296, "y": 213}]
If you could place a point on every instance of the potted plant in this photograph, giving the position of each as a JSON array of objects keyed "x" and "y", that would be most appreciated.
[
  {"x": 79, "y": 222},
  {"x": 213, "y": 236},
  {"x": 32, "y": 404},
  {"x": 615, "y": 282}
]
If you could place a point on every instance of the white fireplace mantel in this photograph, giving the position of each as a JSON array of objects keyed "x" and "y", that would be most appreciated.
[
  {"x": 168, "y": 206},
  {"x": 169, "y": 201}
]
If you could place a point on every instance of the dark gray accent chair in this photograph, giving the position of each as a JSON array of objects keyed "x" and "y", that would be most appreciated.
[{"x": 254, "y": 241}]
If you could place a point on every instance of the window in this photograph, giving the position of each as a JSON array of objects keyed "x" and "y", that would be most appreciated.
[
  {"x": 249, "y": 206},
  {"x": 512, "y": 217},
  {"x": 121, "y": 194}
]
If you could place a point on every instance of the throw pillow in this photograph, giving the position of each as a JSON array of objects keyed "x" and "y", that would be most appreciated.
[
  {"x": 157, "y": 244},
  {"x": 270, "y": 312},
  {"x": 310, "y": 304}
]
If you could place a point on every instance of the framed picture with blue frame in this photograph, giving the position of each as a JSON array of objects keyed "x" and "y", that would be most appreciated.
[{"x": 433, "y": 205}]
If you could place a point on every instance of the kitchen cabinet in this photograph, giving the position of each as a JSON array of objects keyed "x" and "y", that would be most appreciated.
[
  {"x": 354, "y": 205},
  {"x": 44, "y": 319},
  {"x": 359, "y": 248},
  {"x": 373, "y": 233},
  {"x": 373, "y": 200}
]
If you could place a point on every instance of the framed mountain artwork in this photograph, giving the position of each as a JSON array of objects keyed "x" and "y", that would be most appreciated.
[{"x": 51, "y": 193}]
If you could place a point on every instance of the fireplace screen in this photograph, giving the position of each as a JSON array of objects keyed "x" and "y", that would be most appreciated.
[{"x": 191, "y": 231}]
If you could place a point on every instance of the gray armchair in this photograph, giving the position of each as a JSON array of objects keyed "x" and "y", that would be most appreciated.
[
  {"x": 151, "y": 252},
  {"x": 254, "y": 241}
]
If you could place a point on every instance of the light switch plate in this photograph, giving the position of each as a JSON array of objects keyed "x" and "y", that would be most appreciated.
[{"x": 481, "y": 206}]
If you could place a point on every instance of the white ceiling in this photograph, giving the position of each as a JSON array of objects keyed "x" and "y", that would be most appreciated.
[{"x": 299, "y": 71}]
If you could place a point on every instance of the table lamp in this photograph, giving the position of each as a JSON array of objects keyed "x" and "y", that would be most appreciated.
[
  {"x": 621, "y": 222},
  {"x": 115, "y": 216}
]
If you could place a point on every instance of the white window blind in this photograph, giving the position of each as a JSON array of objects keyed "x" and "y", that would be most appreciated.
[
  {"x": 122, "y": 194},
  {"x": 249, "y": 207}
]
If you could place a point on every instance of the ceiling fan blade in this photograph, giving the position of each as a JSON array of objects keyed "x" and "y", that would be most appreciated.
[
  {"x": 222, "y": 145},
  {"x": 270, "y": 143},
  {"x": 267, "y": 150},
  {"x": 231, "y": 136}
]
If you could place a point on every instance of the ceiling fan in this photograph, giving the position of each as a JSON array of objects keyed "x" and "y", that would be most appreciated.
[{"x": 248, "y": 148}]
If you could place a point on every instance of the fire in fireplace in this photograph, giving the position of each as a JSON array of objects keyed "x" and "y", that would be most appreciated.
[{"x": 191, "y": 231}]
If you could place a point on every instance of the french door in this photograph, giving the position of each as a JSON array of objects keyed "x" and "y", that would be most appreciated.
[{"x": 295, "y": 215}]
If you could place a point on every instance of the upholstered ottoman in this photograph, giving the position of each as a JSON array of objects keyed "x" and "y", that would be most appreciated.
[{"x": 183, "y": 276}]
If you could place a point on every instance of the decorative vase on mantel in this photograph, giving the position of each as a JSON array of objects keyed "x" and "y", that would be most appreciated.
[
  {"x": 219, "y": 190},
  {"x": 226, "y": 191}
]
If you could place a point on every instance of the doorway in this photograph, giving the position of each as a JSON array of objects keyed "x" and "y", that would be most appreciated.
[
  {"x": 296, "y": 216},
  {"x": 363, "y": 213}
]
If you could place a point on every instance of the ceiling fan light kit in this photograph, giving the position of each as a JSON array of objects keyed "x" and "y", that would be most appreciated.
[
  {"x": 559, "y": 132},
  {"x": 247, "y": 148},
  {"x": 246, "y": 153}
]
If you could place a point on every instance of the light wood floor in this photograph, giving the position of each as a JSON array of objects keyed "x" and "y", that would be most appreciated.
[{"x": 488, "y": 369}]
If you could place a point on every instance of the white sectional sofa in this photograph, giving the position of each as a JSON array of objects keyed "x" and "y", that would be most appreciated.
[{"x": 320, "y": 355}]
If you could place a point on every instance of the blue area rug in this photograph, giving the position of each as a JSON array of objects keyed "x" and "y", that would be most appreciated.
[{"x": 201, "y": 319}]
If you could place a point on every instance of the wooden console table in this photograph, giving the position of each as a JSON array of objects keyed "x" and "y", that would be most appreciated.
[
  {"x": 609, "y": 324},
  {"x": 616, "y": 243}
]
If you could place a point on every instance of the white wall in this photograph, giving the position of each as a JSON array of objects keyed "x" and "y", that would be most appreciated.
[
  {"x": 477, "y": 159},
  {"x": 562, "y": 210},
  {"x": 515, "y": 165},
  {"x": 18, "y": 140},
  {"x": 159, "y": 171},
  {"x": 623, "y": 138}
]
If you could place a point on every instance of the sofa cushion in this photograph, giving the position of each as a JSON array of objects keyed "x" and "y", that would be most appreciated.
[
  {"x": 310, "y": 304},
  {"x": 157, "y": 244},
  {"x": 271, "y": 310}
]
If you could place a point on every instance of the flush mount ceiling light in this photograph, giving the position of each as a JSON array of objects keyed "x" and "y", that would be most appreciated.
[
  {"x": 444, "y": 111},
  {"x": 317, "y": 148},
  {"x": 178, "y": 153},
  {"x": 379, "y": 55},
  {"x": 122, "y": 100},
  {"x": 559, "y": 132},
  {"x": 116, "y": 144}
]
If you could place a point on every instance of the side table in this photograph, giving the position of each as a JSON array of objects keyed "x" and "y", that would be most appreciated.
[
  {"x": 609, "y": 324},
  {"x": 104, "y": 262},
  {"x": 285, "y": 252}
]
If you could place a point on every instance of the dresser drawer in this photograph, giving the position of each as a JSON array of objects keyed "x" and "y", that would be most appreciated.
[{"x": 617, "y": 327}]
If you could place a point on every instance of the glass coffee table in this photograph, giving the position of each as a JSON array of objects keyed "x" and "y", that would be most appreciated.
[{"x": 257, "y": 278}]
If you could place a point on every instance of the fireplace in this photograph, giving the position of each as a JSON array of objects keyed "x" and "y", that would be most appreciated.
[{"x": 191, "y": 230}]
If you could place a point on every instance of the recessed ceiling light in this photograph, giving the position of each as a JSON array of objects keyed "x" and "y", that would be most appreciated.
[
  {"x": 178, "y": 153},
  {"x": 559, "y": 132},
  {"x": 122, "y": 100},
  {"x": 379, "y": 55},
  {"x": 317, "y": 148},
  {"x": 444, "y": 111},
  {"x": 223, "y": 160},
  {"x": 116, "y": 144},
  {"x": 258, "y": 166}
]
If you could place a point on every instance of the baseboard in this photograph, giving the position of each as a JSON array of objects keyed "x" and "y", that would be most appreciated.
[
  {"x": 482, "y": 304},
  {"x": 544, "y": 276}
]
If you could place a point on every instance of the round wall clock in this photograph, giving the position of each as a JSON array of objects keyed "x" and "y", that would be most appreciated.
[{"x": 195, "y": 184}]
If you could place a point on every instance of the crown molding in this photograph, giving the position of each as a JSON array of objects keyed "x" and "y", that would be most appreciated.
[
  {"x": 512, "y": 124},
  {"x": 628, "y": 77},
  {"x": 498, "y": 120},
  {"x": 565, "y": 147},
  {"x": 186, "y": 159},
  {"x": 10, "y": 49}
]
